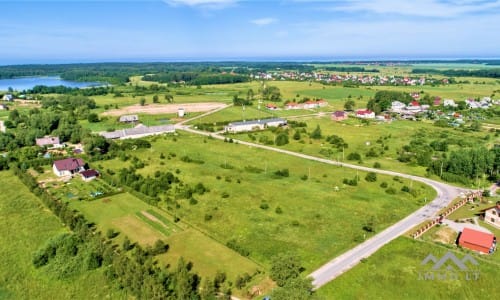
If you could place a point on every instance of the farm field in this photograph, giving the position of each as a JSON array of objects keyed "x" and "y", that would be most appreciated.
[
  {"x": 145, "y": 224},
  {"x": 318, "y": 216},
  {"x": 398, "y": 264},
  {"x": 25, "y": 226}
]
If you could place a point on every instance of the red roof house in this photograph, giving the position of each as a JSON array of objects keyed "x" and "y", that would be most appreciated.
[
  {"x": 68, "y": 166},
  {"x": 271, "y": 106},
  {"x": 476, "y": 240},
  {"x": 365, "y": 114}
]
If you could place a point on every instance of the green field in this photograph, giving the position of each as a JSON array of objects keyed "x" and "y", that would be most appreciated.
[
  {"x": 311, "y": 208},
  {"x": 145, "y": 224},
  {"x": 25, "y": 225},
  {"x": 388, "y": 138},
  {"x": 393, "y": 273}
]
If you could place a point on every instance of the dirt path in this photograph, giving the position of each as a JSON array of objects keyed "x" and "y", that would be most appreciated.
[
  {"x": 155, "y": 219},
  {"x": 154, "y": 109}
]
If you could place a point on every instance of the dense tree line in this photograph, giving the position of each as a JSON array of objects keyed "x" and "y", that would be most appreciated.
[
  {"x": 487, "y": 72},
  {"x": 61, "y": 89},
  {"x": 195, "y": 78},
  {"x": 351, "y": 69}
]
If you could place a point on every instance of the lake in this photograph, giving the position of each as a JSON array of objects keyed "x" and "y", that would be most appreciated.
[{"x": 25, "y": 83}]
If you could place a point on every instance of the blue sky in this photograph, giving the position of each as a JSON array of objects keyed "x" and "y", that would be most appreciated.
[{"x": 154, "y": 30}]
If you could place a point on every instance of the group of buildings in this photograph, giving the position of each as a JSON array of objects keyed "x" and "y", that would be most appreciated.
[{"x": 356, "y": 78}]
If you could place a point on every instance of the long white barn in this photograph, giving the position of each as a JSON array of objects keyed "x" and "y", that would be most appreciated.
[{"x": 254, "y": 125}]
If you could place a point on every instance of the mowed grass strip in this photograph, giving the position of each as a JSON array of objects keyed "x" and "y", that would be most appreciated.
[
  {"x": 208, "y": 255},
  {"x": 145, "y": 224},
  {"x": 394, "y": 273},
  {"x": 138, "y": 230},
  {"x": 25, "y": 226}
]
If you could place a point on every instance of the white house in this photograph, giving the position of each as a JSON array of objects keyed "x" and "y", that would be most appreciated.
[
  {"x": 52, "y": 141},
  {"x": 492, "y": 215},
  {"x": 449, "y": 102},
  {"x": 365, "y": 114},
  {"x": 254, "y": 125},
  {"x": 68, "y": 166},
  {"x": 8, "y": 97},
  {"x": 397, "y": 106}
]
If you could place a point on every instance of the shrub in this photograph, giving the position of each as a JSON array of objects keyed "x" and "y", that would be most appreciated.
[
  {"x": 264, "y": 206},
  {"x": 371, "y": 177},
  {"x": 391, "y": 191},
  {"x": 384, "y": 185},
  {"x": 278, "y": 210},
  {"x": 354, "y": 156}
]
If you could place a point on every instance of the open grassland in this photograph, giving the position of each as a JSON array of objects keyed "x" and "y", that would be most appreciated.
[
  {"x": 145, "y": 224},
  {"x": 25, "y": 225},
  {"x": 119, "y": 212},
  {"x": 311, "y": 212},
  {"x": 393, "y": 273},
  {"x": 386, "y": 139}
]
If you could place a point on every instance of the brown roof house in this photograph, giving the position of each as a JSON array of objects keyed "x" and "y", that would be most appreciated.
[
  {"x": 68, "y": 166},
  {"x": 339, "y": 115},
  {"x": 89, "y": 175}
]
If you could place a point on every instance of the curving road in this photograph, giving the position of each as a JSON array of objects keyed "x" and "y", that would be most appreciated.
[{"x": 334, "y": 268}]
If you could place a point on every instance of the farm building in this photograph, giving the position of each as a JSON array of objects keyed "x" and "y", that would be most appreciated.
[
  {"x": 492, "y": 215},
  {"x": 8, "y": 97},
  {"x": 293, "y": 105},
  {"x": 129, "y": 118},
  {"x": 339, "y": 115},
  {"x": 4, "y": 107},
  {"x": 138, "y": 132},
  {"x": 365, "y": 114},
  {"x": 68, "y": 166},
  {"x": 315, "y": 104},
  {"x": 477, "y": 240},
  {"x": 254, "y": 125},
  {"x": 271, "y": 106},
  {"x": 89, "y": 175},
  {"x": 49, "y": 141}
]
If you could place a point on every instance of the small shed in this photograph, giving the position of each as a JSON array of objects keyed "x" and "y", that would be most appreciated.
[
  {"x": 89, "y": 174},
  {"x": 129, "y": 118}
]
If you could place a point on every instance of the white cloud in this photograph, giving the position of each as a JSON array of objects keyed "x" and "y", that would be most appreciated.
[
  {"x": 202, "y": 3},
  {"x": 421, "y": 8},
  {"x": 264, "y": 21}
]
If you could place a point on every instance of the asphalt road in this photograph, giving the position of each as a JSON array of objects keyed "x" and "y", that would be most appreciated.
[{"x": 334, "y": 268}]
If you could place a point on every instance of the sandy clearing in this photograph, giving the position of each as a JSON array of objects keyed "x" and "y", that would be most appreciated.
[{"x": 154, "y": 109}]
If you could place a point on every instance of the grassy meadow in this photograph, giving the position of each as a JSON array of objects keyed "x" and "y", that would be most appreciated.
[
  {"x": 318, "y": 216},
  {"x": 393, "y": 273},
  {"x": 145, "y": 224},
  {"x": 387, "y": 139},
  {"x": 25, "y": 226}
]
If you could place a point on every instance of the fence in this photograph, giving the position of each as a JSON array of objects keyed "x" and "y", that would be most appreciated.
[{"x": 469, "y": 198}]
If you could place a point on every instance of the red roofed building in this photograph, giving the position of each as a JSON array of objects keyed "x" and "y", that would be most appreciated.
[
  {"x": 477, "y": 240},
  {"x": 68, "y": 166},
  {"x": 271, "y": 106},
  {"x": 365, "y": 114}
]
